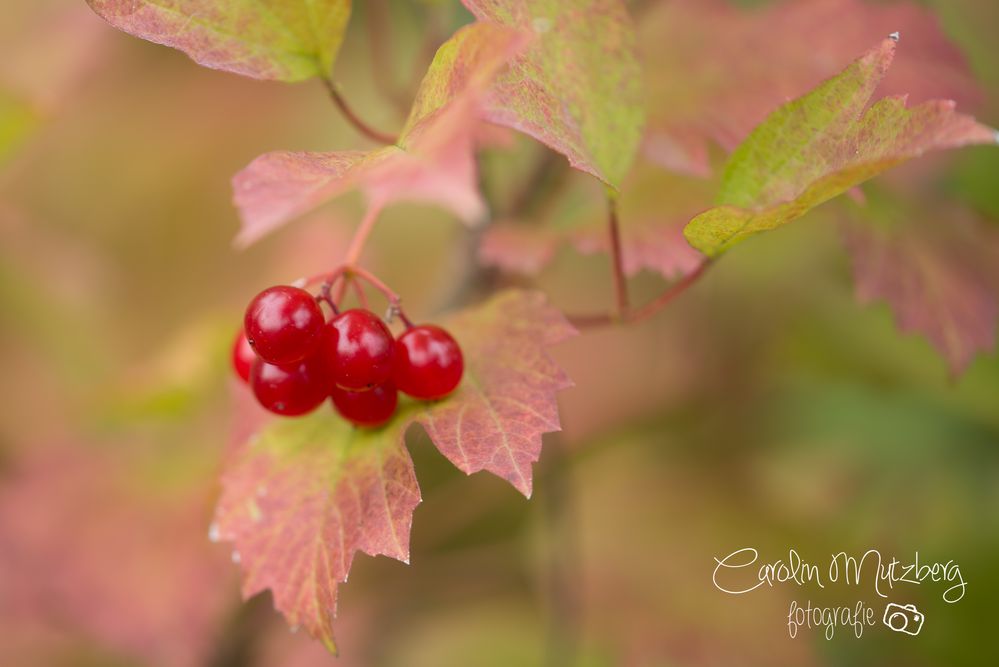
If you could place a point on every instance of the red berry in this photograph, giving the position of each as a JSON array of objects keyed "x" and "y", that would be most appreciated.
[
  {"x": 289, "y": 390},
  {"x": 357, "y": 348},
  {"x": 428, "y": 362},
  {"x": 371, "y": 407},
  {"x": 283, "y": 324},
  {"x": 243, "y": 356}
]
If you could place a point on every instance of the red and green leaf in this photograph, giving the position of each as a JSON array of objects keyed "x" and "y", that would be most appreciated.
[
  {"x": 577, "y": 88},
  {"x": 432, "y": 161},
  {"x": 704, "y": 89},
  {"x": 821, "y": 145},
  {"x": 506, "y": 400},
  {"x": 287, "y": 40},
  {"x": 302, "y": 496}
]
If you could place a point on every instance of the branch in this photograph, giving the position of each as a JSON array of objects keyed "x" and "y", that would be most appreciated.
[{"x": 353, "y": 118}]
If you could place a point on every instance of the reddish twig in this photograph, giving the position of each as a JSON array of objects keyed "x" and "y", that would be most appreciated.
[{"x": 353, "y": 118}]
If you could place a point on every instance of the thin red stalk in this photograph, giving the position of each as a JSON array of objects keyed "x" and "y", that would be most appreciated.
[
  {"x": 362, "y": 298},
  {"x": 353, "y": 118}
]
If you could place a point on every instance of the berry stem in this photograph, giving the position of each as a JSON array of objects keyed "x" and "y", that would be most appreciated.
[
  {"x": 362, "y": 298},
  {"x": 361, "y": 235},
  {"x": 353, "y": 118},
  {"x": 346, "y": 273}
]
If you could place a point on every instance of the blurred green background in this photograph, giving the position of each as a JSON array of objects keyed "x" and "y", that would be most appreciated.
[{"x": 766, "y": 408}]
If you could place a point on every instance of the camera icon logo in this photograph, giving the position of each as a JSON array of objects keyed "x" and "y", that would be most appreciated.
[{"x": 903, "y": 618}]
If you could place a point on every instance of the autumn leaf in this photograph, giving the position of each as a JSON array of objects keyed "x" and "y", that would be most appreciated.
[
  {"x": 287, "y": 40},
  {"x": 703, "y": 89},
  {"x": 432, "y": 161},
  {"x": 302, "y": 496},
  {"x": 821, "y": 145},
  {"x": 578, "y": 87},
  {"x": 506, "y": 400},
  {"x": 936, "y": 267}
]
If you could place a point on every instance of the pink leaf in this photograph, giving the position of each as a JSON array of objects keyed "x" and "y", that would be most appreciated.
[
  {"x": 495, "y": 420},
  {"x": 432, "y": 161},
  {"x": 938, "y": 275},
  {"x": 302, "y": 498}
]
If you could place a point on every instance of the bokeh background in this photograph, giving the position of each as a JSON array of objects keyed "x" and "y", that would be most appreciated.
[{"x": 766, "y": 408}]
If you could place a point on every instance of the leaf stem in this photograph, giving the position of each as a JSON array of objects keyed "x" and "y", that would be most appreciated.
[
  {"x": 353, "y": 118},
  {"x": 617, "y": 262},
  {"x": 361, "y": 235}
]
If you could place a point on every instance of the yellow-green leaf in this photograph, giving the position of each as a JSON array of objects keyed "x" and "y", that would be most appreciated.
[
  {"x": 822, "y": 144},
  {"x": 288, "y": 40}
]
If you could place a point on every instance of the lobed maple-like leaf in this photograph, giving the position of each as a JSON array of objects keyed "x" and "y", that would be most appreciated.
[
  {"x": 287, "y": 40},
  {"x": 306, "y": 494},
  {"x": 821, "y": 145},
  {"x": 939, "y": 273},
  {"x": 506, "y": 400},
  {"x": 715, "y": 71},
  {"x": 432, "y": 161},
  {"x": 578, "y": 87},
  {"x": 302, "y": 496}
]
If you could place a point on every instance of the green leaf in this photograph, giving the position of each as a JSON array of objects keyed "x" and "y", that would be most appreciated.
[
  {"x": 287, "y": 40},
  {"x": 578, "y": 87},
  {"x": 821, "y": 145}
]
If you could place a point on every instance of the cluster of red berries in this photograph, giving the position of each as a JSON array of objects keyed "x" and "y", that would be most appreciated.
[{"x": 294, "y": 358}]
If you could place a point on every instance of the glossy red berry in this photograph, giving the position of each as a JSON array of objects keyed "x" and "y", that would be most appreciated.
[
  {"x": 243, "y": 356},
  {"x": 283, "y": 324},
  {"x": 357, "y": 348},
  {"x": 371, "y": 407},
  {"x": 428, "y": 362},
  {"x": 289, "y": 390}
]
